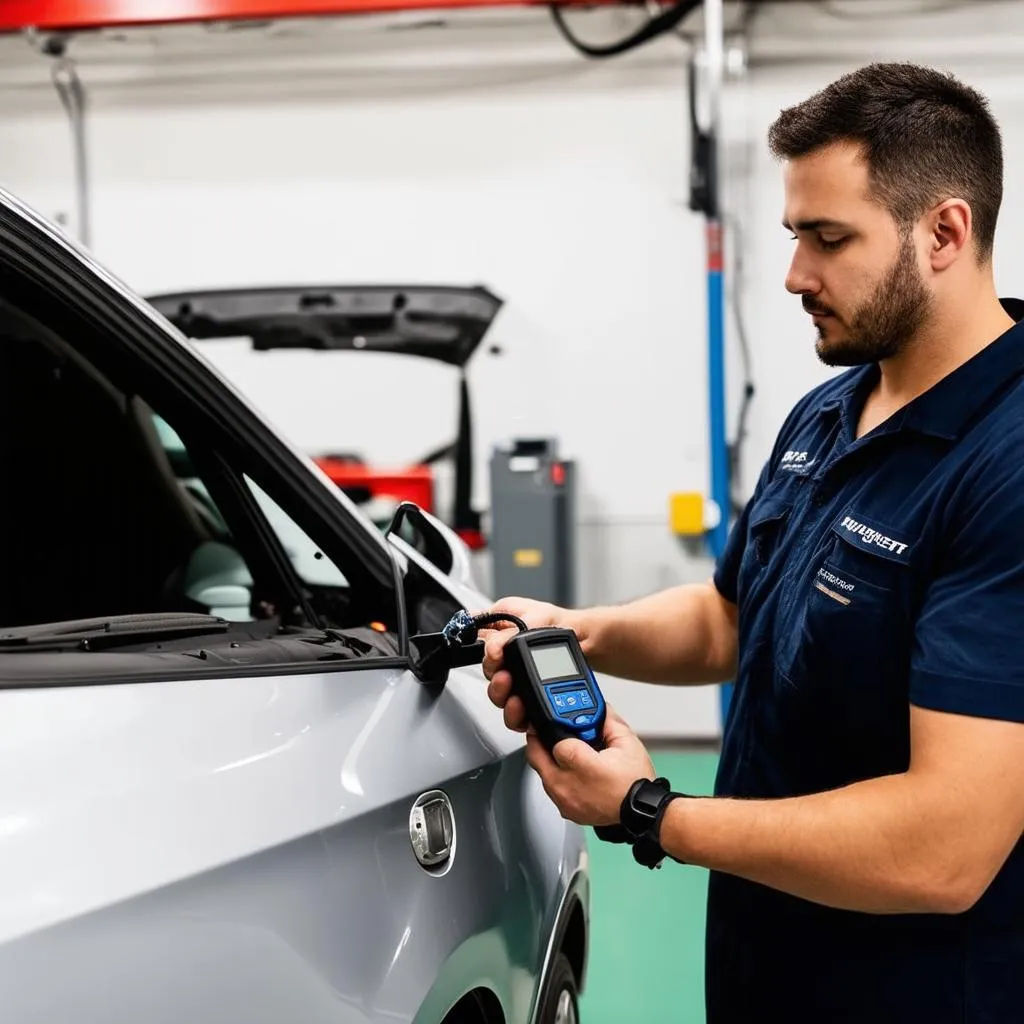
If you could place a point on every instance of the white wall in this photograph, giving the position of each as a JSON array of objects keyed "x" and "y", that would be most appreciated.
[{"x": 484, "y": 151}]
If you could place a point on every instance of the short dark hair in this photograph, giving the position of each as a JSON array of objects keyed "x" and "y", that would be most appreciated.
[{"x": 925, "y": 135}]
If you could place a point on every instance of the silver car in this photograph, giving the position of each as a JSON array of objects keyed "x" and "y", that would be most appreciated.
[{"x": 229, "y": 792}]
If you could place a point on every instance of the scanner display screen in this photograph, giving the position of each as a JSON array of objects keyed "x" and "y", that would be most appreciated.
[{"x": 554, "y": 661}]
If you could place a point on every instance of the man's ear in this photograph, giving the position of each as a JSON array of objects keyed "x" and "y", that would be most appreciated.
[{"x": 950, "y": 226}]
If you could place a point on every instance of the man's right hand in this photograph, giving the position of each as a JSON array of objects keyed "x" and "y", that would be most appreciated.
[{"x": 534, "y": 614}]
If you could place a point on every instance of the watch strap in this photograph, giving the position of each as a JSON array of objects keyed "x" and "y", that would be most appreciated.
[
  {"x": 643, "y": 810},
  {"x": 640, "y": 817}
]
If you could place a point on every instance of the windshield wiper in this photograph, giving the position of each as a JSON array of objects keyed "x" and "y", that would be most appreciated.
[{"x": 100, "y": 633}]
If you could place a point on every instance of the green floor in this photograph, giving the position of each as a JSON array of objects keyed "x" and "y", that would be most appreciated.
[{"x": 648, "y": 926}]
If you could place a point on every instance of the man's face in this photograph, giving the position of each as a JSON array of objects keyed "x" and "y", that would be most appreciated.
[{"x": 857, "y": 274}]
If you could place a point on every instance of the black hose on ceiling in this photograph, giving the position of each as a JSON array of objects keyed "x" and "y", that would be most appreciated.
[{"x": 656, "y": 26}]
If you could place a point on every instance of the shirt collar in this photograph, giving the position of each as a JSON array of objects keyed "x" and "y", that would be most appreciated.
[
  {"x": 848, "y": 399},
  {"x": 945, "y": 408}
]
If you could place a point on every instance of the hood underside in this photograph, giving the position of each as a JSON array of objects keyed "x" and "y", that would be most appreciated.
[{"x": 445, "y": 323}]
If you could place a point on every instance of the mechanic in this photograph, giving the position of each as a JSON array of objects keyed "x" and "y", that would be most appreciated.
[{"x": 864, "y": 839}]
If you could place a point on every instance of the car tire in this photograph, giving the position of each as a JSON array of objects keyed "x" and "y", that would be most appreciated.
[{"x": 561, "y": 999}]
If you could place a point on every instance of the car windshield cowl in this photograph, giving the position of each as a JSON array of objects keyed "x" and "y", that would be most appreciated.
[
  {"x": 108, "y": 631},
  {"x": 171, "y": 632}
]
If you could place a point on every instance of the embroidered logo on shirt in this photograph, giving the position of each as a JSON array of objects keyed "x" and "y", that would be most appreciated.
[
  {"x": 834, "y": 586},
  {"x": 796, "y": 462},
  {"x": 870, "y": 536}
]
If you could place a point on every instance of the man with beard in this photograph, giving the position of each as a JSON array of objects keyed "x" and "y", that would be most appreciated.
[{"x": 864, "y": 840}]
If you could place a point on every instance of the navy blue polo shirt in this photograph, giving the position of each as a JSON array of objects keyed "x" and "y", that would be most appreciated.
[{"x": 871, "y": 574}]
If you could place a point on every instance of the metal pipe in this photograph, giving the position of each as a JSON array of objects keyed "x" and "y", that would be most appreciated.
[
  {"x": 714, "y": 50},
  {"x": 72, "y": 96}
]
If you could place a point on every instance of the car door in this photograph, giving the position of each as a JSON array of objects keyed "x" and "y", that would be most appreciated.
[{"x": 221, "y": 820}]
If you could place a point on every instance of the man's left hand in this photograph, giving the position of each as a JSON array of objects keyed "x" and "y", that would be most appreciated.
[{"x": 588, "y": 785}]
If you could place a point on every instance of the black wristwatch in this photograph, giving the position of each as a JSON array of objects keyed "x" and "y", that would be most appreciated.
[{"x": 641, "y": 813}]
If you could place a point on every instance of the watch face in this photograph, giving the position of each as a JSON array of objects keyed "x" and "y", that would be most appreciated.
[{"x": 647, "y": 798}]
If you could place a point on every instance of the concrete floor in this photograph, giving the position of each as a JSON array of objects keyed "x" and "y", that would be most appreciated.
[{"x": 648, "y": 926}]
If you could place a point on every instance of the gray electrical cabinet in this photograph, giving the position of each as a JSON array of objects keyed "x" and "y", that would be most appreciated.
[{"x": 533, "y": 515}]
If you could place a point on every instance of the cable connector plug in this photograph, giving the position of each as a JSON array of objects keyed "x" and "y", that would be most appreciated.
[{"x": 461, "y": 630}]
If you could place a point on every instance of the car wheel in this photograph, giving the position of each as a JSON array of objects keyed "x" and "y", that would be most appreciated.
[{"x": 561, "y": 1001}]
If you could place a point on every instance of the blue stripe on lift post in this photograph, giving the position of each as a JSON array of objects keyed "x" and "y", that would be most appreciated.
[{"x": 719, "y": 450}]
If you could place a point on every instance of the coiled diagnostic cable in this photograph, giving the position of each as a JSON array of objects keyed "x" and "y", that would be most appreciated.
[{"x": 462, "y": 629}]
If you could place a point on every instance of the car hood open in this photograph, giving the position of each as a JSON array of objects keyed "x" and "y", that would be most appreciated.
[{"x": 441, "y": 322}]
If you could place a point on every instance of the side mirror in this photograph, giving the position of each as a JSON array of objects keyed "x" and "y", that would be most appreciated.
[
  {"x": 415, "y": 528},
  {"x": 430, "y": 655}
]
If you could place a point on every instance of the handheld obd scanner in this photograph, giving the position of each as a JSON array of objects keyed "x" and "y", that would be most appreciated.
[{"x": 549, "y": 674}]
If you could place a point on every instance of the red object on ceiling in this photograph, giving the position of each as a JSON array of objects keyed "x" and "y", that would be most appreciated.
[{"x": 55, "y": 15}]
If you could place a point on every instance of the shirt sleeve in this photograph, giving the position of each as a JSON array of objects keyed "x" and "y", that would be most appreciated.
[
  {"x": 727, "y": 568},
  {"x": 968, "y": 655}
]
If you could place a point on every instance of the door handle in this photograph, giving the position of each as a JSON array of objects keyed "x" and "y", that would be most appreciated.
[{"x": 432, "y": 830}]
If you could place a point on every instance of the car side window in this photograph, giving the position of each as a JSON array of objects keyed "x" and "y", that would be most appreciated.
[
  {"x": 120, "y": 508},
  {"x": 96, "y": 520}
]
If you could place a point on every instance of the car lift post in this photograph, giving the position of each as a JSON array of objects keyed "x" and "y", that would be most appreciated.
[
  {"x": 705, "y": 197},
  {"x": 714, "y": 51}
]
